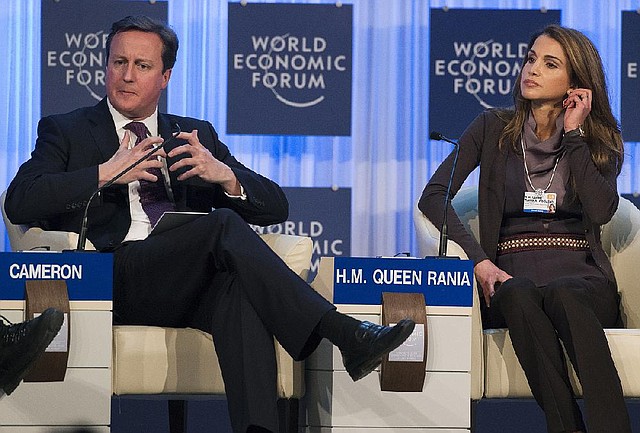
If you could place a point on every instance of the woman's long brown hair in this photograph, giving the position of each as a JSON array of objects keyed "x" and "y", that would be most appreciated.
[{"x": 585, "y": 71}]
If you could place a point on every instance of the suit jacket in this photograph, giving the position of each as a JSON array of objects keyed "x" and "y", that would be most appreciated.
[
  {"x": 596, "y": 192},
  {"x": 52, "y": 188}
]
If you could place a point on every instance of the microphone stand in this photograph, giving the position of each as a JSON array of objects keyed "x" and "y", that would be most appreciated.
[
  {"x": 444, "y": 235},
  {"x": 82, "y": 237}
]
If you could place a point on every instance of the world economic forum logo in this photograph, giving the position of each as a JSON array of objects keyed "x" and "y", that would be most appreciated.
[
  {"x": 289, "y": 69},
  {"x": 485, "y": 70},
  {"x": 293, "y": 68},
  {"x": 80, "y": 61}
]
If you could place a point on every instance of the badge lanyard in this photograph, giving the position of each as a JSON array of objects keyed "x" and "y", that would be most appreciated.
[{"x": 539, "y": 200}]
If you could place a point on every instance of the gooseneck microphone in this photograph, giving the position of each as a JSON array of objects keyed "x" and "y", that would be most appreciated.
[
  {"x": 82, "y": 237},
  {"x": 444, "y": 235}
]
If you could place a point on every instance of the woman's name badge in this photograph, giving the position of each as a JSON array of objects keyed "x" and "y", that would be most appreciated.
[{"x": 540, "y": 202}]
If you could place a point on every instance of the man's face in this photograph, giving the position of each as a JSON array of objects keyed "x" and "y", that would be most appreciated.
[{"x": 134, "y": 73}]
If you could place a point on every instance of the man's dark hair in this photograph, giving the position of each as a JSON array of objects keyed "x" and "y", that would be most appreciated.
[{"x": 145, "y": 24}]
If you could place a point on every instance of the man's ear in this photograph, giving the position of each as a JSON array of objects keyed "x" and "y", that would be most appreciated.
[{"x": 166, "y": 75}]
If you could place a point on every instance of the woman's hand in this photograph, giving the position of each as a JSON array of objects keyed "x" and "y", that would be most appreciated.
[
  {"x": 489, "y": 276},
  {"x": 577, "y": 107}
]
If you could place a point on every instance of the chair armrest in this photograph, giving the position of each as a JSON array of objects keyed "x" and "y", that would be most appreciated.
[
  {"x": 295, "y": 251},
  {"x": 37, "y": 239}
]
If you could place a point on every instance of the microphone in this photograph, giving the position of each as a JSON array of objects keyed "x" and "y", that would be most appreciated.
[
  {"x": 82, "y": 237},
  {"x": 439, "y": 137},
  {"x": 444, "y": 235}
]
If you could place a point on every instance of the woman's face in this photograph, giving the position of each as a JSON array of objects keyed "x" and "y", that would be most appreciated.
[{"x": 545, "y": 75}]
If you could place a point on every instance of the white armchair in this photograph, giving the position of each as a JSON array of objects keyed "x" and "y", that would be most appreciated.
[
  {"x": 496, "y": 372},
  {"x": 180, "y": 361}
]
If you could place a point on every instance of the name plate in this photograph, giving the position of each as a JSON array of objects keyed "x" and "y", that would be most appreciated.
[
  {"x": 89, "y": 276},
  {"x": 444, "y": 282}
]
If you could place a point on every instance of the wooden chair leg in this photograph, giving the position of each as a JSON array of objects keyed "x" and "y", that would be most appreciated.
[
  {"x": 177, "y": 416},
  {"x": 288, "y": 415}
]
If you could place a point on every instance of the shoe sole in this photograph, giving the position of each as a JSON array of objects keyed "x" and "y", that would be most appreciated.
[
  {"x": 367, "y": 368},
  {"x": 56, "y": 321}
]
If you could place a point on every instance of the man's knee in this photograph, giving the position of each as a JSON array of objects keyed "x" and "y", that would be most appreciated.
[{"x": 224, "y": 219}]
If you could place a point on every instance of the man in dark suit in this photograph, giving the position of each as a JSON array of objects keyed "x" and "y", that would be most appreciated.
[{"x": 214, "y": 273}]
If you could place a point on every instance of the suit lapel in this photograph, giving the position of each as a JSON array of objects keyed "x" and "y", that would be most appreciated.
[{"x": 103, "y": 130}]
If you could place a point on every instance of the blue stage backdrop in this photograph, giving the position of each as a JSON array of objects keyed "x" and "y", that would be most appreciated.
[
  {"x": 476, "y": 55},
  {"x": 74, "y": 36},
  {"x": 629, "y": 82},
  {"x": 324, "y": 215},
  {"x": 289, "y": 69}
]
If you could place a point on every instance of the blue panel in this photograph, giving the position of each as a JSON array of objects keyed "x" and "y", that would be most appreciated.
[
  {"x": 630, "y": 84},
  {"x": 444, "y": 282},
  {"x": 89, "y": 275},
  {"x": 289, "y": 69}
]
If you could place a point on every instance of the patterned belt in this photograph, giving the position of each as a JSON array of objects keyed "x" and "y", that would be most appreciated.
[{"x": 515, "y": 244}]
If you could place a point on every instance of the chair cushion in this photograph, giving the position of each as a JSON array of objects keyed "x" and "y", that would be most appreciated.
[
  {"x": 155, "y": 360},
  {"x": 504, "y": 377}
]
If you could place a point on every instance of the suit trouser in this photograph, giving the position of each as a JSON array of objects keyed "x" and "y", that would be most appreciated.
[
  {"x": 217, "y": 275},
  {"x": 574, "y": 311}
]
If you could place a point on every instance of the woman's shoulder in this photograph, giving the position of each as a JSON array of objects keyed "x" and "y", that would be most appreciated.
[
  {"x": 499, "y": 116},
  {"x": 491, "y": 121}
]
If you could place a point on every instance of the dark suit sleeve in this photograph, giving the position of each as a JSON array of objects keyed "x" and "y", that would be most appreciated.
[
  {"x": 51, "y": 183},
  {"x": 265, "y": 204},
  {"x": 598, "y": 193}
]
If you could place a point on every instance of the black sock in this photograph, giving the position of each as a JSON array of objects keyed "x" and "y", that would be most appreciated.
[{"x": 338, "y": 328}]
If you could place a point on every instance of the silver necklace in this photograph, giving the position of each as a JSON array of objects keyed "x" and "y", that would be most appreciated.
[{"x": 526, "y": 169}]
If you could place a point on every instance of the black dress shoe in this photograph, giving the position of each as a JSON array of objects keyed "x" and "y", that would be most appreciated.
[
  {"x": 373, "y": 342},
  {"x": 22, "y": 344}
]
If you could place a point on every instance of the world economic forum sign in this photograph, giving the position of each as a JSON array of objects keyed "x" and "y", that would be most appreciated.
[
  {"x": 630, "y": 81},
  {"x": 289, "y": 69},
  {"x": 476, "y": 56}
]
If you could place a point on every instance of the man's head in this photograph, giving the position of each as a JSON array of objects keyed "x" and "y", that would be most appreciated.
[{"x": 140, "y": 55}]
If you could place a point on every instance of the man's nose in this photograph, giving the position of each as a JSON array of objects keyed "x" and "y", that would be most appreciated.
[{"x": 129, "y": 72}]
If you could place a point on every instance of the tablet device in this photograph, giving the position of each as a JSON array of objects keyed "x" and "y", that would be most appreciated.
[{"x": 170, "y": 220}]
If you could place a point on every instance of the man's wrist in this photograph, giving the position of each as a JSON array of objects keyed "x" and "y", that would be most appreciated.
[{"x": 241, "y": 196}]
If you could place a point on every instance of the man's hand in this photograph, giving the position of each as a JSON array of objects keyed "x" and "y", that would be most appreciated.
[
  {"x": 124, "y": 157},
  {"x": 489, "y": 276},
  {"x": 203, "y": 164}
]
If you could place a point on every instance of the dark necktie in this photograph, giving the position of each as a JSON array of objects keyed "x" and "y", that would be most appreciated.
[{"x": 153, "y": 195}]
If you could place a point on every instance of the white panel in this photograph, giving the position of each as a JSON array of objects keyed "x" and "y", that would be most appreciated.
[
  {"x": 83, "y": 398},
  {"x": 449, "y": 343},
  {"x": 15, "y": 316},
  {"x": 333, "y": 399},
  {"x": 90, "y": 339}
]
